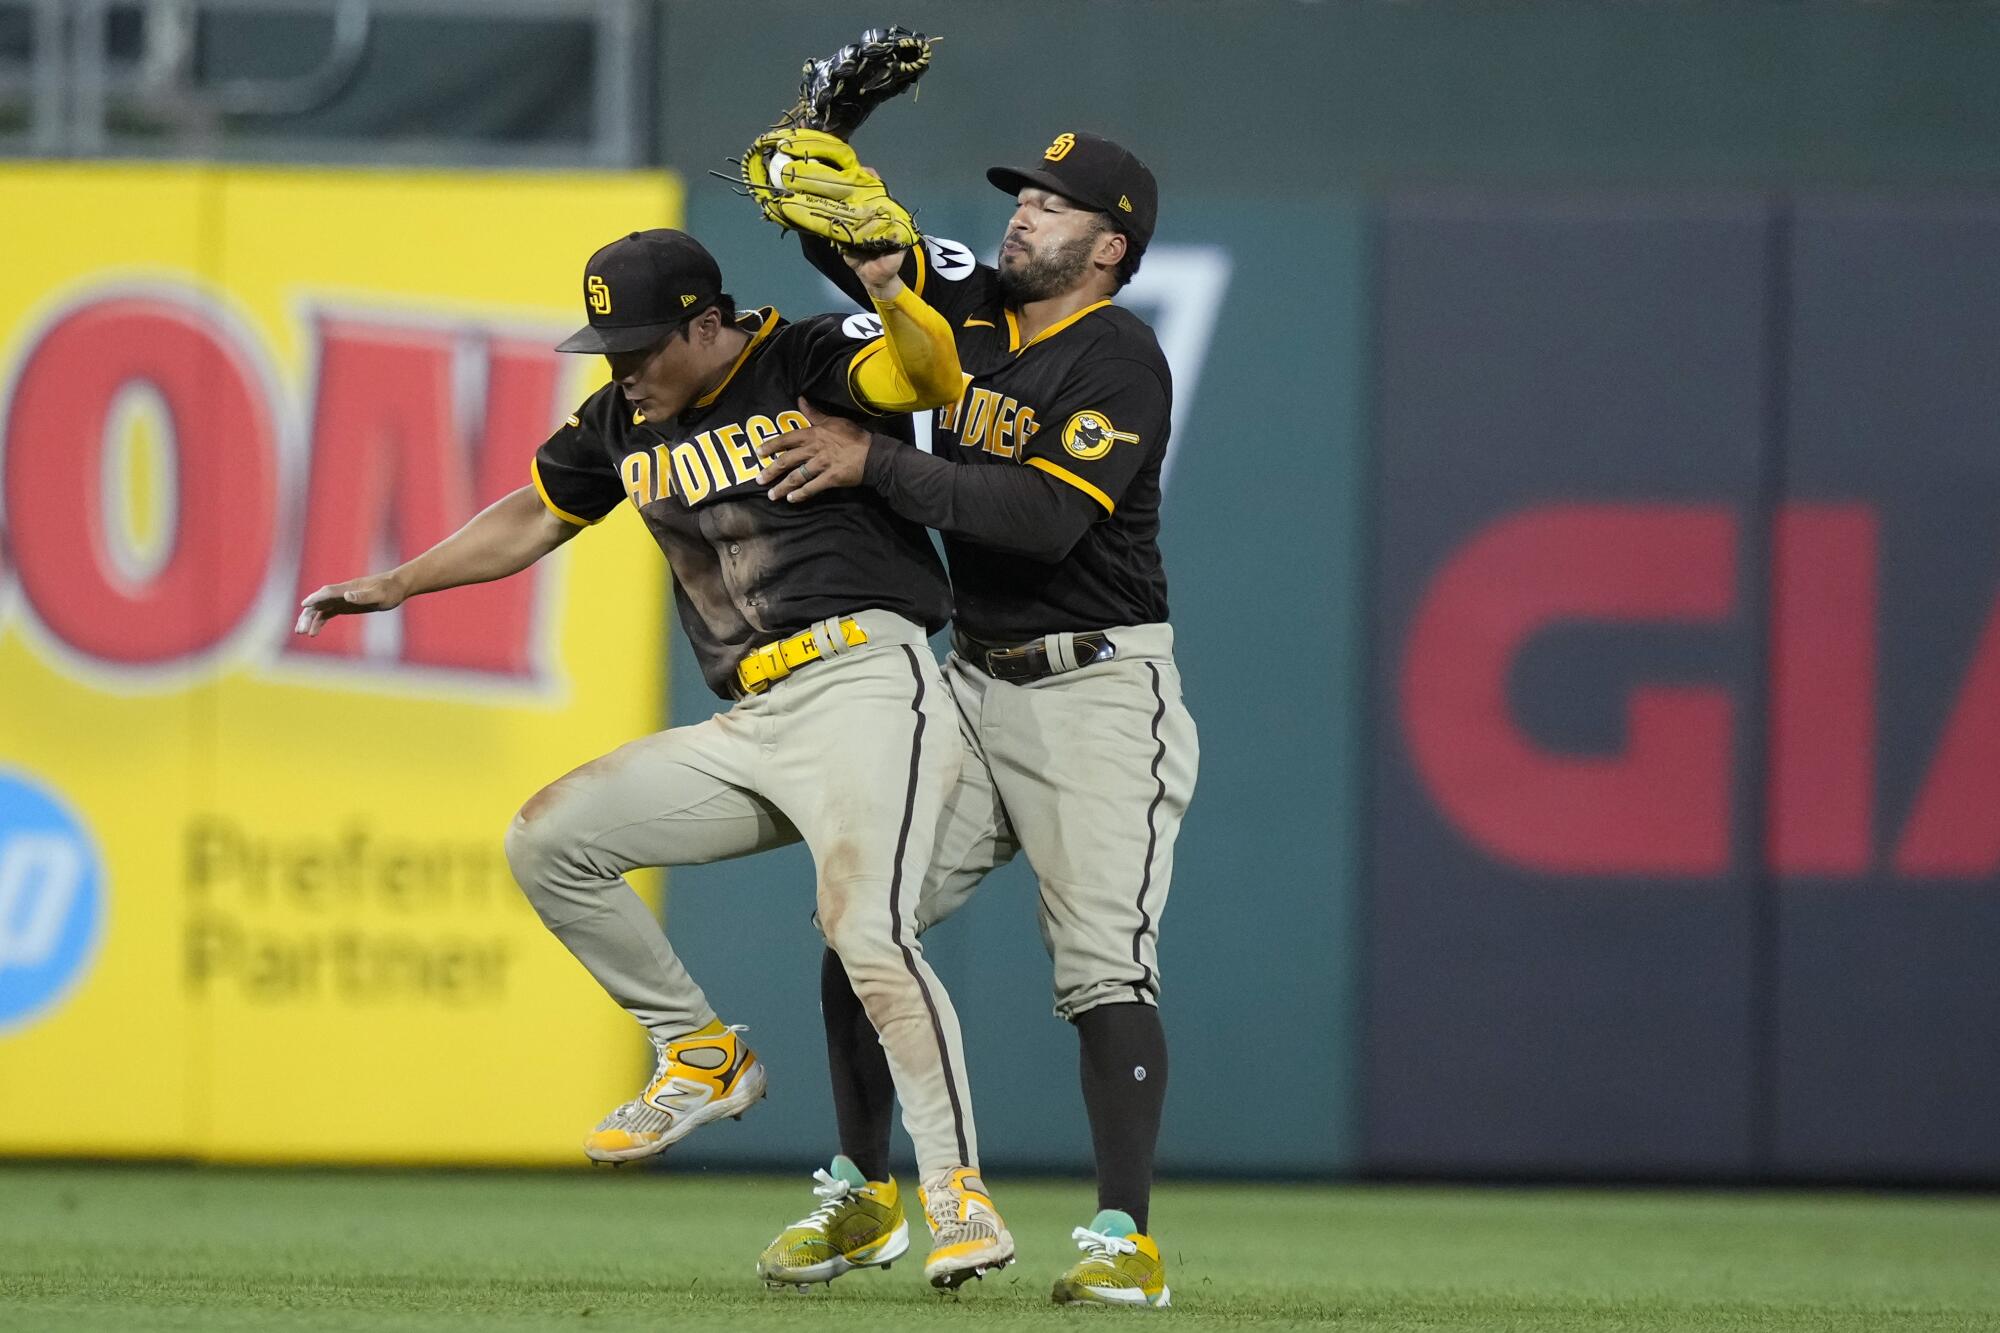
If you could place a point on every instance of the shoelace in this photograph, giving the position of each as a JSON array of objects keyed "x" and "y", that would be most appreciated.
[
  {"x": 832, "y": 1189},
  {"x": 1099, "y": 1245},
  {"x": 941, "y": 1207}
]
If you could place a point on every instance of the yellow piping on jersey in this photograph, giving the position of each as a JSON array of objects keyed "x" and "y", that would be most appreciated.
[
  {"x": 1057, "y": 470},
  {"x": 535, "y": 471},
  {"x": 770, "y": 314},
  {"x": 1014, "y": 343}
]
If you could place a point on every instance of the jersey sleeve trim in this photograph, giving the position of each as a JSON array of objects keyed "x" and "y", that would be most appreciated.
[
  {"x": 923, "y": 268},
  {"x": 1064, "y": 474},
  {"x": 855, "y": 390},
  {"x": 535, "y": 470}
]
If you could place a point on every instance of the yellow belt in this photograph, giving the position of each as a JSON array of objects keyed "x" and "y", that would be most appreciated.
[{"x": 775, "y": 661}]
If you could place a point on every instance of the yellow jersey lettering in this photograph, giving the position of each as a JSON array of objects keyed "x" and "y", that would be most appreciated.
[
  {"x": 792, "y": 420},
  {"x": 1025, "y": 427},
  {"x": 637, "y": 473},
  {"x": 663, "y": 469},
  {"x": 978, "y": 416},
  {"x": 691, "y": 473},
  {"x": 718, "y": 474},
  {"x": 743, "y": 465},
  {"x": 1003, "y": 426},
  {"x": 761, "y": 428}
]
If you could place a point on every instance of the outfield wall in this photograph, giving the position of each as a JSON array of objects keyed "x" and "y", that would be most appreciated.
[
  {"x": 252, "y": 899},
  {"x": 1580, "y": 534}
]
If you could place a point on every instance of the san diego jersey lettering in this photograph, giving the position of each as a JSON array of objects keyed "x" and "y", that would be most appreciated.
[
  {"x": 1088, "y": 402},
  {"x": 748, "y": 571}
]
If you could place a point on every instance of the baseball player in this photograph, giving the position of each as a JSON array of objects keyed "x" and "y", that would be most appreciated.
[
  {"x": 1044, "y": 481},
  {"x": 814, "y": 621}
]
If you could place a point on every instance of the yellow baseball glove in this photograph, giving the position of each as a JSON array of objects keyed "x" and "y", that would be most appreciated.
[{"x": 810, "y": 181}]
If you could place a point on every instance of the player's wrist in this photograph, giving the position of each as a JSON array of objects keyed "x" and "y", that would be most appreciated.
[
  {"x": 887, "y": 293},
  {"x": 399, "y": 585},
  {"x": 880, "y": 462}
]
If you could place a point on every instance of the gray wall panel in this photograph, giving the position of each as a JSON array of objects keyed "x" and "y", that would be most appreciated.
[
  {"x": 1527, "y": 1016},
  {"x": 1889, "y": 1002}
]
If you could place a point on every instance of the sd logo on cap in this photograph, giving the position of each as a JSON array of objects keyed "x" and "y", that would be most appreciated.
[{"x": 642, "y": 287}]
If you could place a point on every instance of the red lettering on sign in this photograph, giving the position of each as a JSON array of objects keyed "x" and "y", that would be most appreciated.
[
  {"x": 1821, "y": 812},
  {"x": 1953, "y": 831},
  {"x": 1659, "y": 807},
  {"x": 394, "y": 471},
  {"x": 225, "y": 489}
]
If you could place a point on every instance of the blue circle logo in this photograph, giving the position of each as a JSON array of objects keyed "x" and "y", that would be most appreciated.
[{"x": 51, "y": 900}]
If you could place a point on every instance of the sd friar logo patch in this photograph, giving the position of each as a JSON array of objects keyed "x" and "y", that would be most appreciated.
[{"x": 1089, "y": 435}]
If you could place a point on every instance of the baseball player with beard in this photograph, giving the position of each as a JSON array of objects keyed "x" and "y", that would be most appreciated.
[{"x": 1044, "y": 482}]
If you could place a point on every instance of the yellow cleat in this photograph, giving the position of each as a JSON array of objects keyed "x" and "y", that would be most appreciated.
[
  {"x": 699, "y": 1078},
  {"x": 968, "y": 1239},
  {"x": 1120, "y": 1266},
  {"x": 858, "y": 1224}
]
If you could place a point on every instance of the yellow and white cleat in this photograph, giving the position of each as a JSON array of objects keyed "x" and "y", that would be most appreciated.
[
  {"x": 699, "y": 1078},
  {"x": 1120, "y": 1266},
  {"x": 858, "y": 1224},
  {"x": 968, "y": 1239}
]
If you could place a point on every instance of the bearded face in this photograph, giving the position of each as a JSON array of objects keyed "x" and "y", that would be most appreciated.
[{"x": 1049, "y": 260}]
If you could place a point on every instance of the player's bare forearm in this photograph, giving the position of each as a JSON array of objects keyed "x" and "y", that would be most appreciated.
[{"x": 504, "y": 538}]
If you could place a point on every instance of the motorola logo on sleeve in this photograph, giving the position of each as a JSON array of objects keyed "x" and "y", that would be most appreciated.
[
  {"x": 950, "y": 260},
  {"x": 51, "y": 900}
]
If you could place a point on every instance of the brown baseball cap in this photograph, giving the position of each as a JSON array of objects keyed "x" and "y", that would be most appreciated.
[
  {"x": 642, "y": 287},
  {"x": 1096, "y": 173}
]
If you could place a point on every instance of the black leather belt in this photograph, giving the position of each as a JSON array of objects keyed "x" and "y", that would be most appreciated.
[{"x": 1031, "y": 660}]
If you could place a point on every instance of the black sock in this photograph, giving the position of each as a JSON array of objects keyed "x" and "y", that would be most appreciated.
[
  {"x": 864, "y": 1094},
  {"x": 1122, "y": 1055}
]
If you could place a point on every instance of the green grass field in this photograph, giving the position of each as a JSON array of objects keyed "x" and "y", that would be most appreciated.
[{"x": 162, "y": 1248}]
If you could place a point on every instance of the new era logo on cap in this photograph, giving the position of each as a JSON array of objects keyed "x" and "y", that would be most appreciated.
[{"x": 642, "y": 287}]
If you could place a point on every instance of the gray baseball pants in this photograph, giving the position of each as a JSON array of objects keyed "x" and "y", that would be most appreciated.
[
  {"x": 855, "y": 754},
  {"x": 1090, "y": 772}
]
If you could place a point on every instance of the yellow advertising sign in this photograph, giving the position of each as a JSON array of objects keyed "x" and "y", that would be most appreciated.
[{"x": 252, "y": 899}]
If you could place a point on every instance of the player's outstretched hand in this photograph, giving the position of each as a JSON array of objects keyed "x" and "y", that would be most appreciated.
[
  {"x": 799, "y": 464},
  {"x": 377, "y": 592}
]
